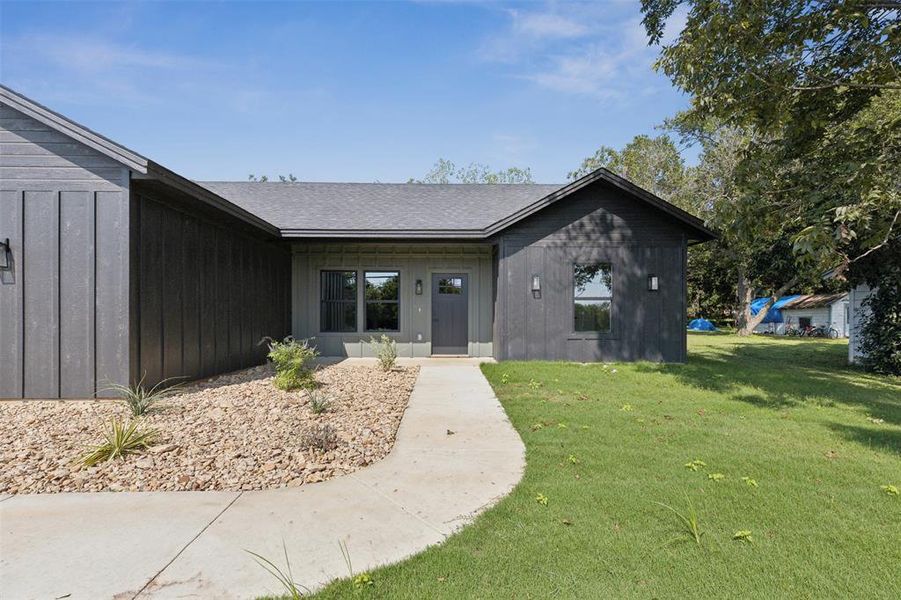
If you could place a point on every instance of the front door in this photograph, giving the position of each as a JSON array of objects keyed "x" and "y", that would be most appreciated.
[{"x": 450, "y": 313}]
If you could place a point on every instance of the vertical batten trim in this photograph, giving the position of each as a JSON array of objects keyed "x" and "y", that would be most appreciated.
[
  {"x": 59, "y": 294},
  {"x": 94, "y": 291}
]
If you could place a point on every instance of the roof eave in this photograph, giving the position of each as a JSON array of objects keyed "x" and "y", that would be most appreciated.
[
  {"x": 401, "y": 234},
  {"x": 173, "y": 179}
]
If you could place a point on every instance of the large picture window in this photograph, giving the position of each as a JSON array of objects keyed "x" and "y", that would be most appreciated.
[
  {"x": 338, "y": 301},
  {"x": 382, "y": 296},
  {"x": 592, "y": 297}
]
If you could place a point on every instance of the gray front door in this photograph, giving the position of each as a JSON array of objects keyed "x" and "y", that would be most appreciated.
[{"x": 450, "y": 313}]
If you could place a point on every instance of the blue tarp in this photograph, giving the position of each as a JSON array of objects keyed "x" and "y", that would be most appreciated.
[
  {"x": 774, "y": 315},
  {"x": 701, "y": 325}
]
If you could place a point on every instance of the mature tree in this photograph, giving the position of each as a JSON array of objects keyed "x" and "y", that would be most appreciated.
[
  {"x": 652, "y": 163},
  {"x": 754, "y": 248},
  {"x": 819, "y": 83},
  {"x": 446, "y": 171}
]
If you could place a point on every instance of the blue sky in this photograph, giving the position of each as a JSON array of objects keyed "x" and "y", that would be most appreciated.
[{"x": 343, "y": 91}]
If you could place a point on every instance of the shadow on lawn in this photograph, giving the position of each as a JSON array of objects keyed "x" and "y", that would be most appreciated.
[
  {"x": 788, "y": 374},
  {"x": 886, "y": 439}
]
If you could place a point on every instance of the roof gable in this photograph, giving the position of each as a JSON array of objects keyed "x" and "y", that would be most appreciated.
[
  {"x": 70, "y": 128},
  {"x": 601, "y": 174}
]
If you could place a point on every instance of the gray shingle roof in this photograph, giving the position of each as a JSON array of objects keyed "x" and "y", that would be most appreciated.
[{"x": 388, "y": 207}]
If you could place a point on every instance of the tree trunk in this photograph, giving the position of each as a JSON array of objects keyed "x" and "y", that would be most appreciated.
[{"x": 745, "y": 321}]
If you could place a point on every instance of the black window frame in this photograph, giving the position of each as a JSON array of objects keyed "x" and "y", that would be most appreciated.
[
  {"x": 354, "y": 302},
  {"x": 367, "y": 301},
  {"x": 576, "y": 299}
]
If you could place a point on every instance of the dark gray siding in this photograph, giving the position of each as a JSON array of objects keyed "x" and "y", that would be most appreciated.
[
  {"x": 64, "y": 306},
  {"x": 595, "y": 224},
  {"x": 208, "y": 288}
]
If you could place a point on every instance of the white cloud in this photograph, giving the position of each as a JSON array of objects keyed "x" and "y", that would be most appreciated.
[
  {"x": 546, "y": 25},
  {"x": 86, "y": 54},
  {"x": 599, "y": 49},
  {"x": 65, "y": 67}
]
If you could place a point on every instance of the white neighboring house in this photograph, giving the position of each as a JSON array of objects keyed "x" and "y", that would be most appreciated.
[
  {"x": 814, "y": 310},
  {"x": 857, "y": 311}
]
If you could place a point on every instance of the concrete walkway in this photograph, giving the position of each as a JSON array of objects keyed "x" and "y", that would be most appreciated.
[{"x": 192, "y": 544}]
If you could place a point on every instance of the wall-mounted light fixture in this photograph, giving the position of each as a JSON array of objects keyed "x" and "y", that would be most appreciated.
[
  {"x": 418, "y": 287},
  {"x": 6, "y": 256},
  {"x": 536, "y": 286},
  {"x": 653, "y": 283}
]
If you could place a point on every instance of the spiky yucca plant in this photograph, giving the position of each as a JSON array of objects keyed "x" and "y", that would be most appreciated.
[
  {"x": 141, "y": 399},
  {"x": 121, "y": 438}
]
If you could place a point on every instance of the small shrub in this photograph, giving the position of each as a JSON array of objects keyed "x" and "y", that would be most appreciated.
[
  {"x": 319, "y": 437},
  {"x": 319, "y": 402},
  {"x": 880, "y": 329},
  {"x": 141, "y": 400},
  {"x": 386, "y": 351},
  {"x": 541, "y": 499},
  {"x": 750, "y": 482},
  {"x": 294, "y": 590},
  {"x": 292, "y": 360},
  {"x": 891, "y": 490},
  {"x": 120, "y": 439},
  {"x": 716, "y": 476}
]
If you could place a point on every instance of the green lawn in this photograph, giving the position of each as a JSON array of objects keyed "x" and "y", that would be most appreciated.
[{"x": 817, "y": 437}]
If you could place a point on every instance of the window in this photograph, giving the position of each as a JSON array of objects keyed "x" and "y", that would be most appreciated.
[
  {"x": 382, "y": 296},
  {"x": 338, "y": 301},
  {"x": 804, "y": 322},
  {"x": 592, "y": 297},
  {"x": 450, "y": 285}
]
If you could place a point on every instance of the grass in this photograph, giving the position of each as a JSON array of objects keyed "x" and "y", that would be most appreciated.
[{"x": 817, "y": 439}]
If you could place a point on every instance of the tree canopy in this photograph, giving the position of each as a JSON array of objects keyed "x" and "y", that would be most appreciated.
[
  {"x": 652, "y": 163},
  {"x": 445, "y": 171},
  {"x": 819, "y": 83}
]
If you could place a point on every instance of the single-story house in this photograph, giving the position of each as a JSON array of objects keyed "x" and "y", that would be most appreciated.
[
  {"x": 116, "y": 268},
  {"x": 808, "y": 310}
]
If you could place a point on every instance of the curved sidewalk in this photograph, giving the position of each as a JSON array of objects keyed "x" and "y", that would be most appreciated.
[{"x": 192, "y": 544}]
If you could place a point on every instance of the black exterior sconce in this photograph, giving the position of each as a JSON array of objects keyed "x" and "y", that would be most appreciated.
[
  {"x": 653, "y": 283},
  {"x": 6, "y": 256},
  {"x": 418, "y": 287},
  {"x": 536, "y": 286}
]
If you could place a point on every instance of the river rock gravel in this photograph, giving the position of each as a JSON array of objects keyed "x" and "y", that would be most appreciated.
[{"x": 232, "y": 432}]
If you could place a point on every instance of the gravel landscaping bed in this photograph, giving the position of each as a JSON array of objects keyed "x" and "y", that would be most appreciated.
[{"x": 234, "y": 432}]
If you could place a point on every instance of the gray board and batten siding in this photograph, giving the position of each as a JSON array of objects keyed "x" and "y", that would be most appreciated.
[
  {"x": 208, "y": 288},
  {"x": 64, "y": 305},
  {"x": 596, "y": 224},
  {"x": 117, "y": 272}
]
